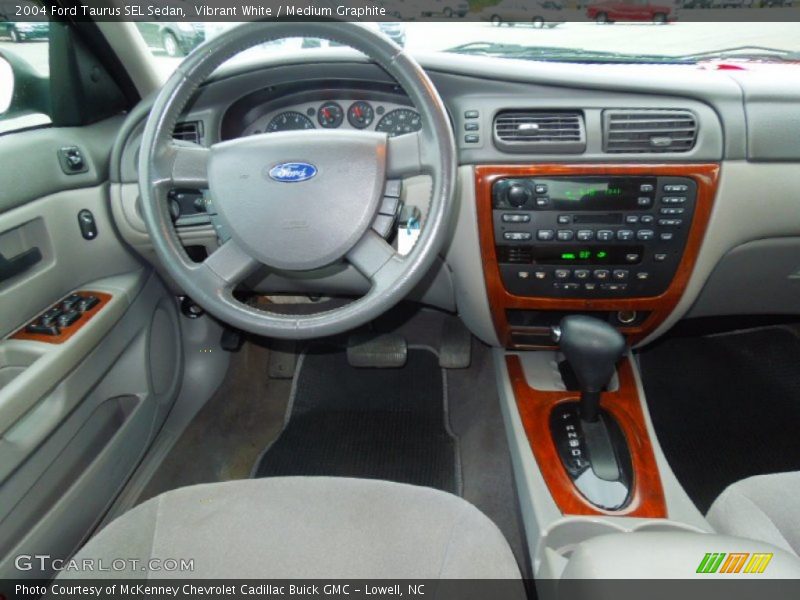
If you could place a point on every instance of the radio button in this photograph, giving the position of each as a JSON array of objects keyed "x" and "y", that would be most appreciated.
[
  {"x": 518, "y": 195},
  {"x": 673, "y": 200},
  {"x": 565, "y": 235},
  {"x": 585, "y": 235},
  {"x": 516, "y": 218},
  {"x": 667, "y": 236},
  {"x": 620, "y": 274},
  {"x": 602, "y": 274},
  {"x": 582, "y": 274},
  {"x": 540, "y": 188},
  {"x": 660, "y": 257},
  {"x": 604, "y": 235},
  {"x": 644, "y": 201},
  {"x": 672, "y": 210},
  {"x": 647, "y": 219},
  {"x": 517, "y": 236},
  {"x": 545, "y": 235},
  {"x": 670, "y": 222},
  {"x": 562, "y": 274},
  {"x": 543, "y": 202},
  {"x": 632, "y": 219},
  {"x": 564, "y": 219},
  {"x": 625, "y": 235},
  {"x": 646, "y": 187},
  {"x": 676, "y": 187},
  {"x": 645, "y": 235}
]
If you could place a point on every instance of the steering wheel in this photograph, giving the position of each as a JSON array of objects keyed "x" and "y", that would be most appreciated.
[{"x": 297, "y": 200}]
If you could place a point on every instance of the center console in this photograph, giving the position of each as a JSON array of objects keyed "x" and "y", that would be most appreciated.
[{"x": 617, "y": 242}]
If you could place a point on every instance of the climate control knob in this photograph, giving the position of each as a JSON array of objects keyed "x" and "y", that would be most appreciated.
[{"x": 517, "y": 195}]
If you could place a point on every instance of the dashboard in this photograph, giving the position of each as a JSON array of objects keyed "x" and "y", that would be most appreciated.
[{"x": 516, "y": 258}]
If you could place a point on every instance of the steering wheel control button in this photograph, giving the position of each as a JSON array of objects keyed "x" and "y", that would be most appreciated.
[
  {"x": 393, "y": 188},
  {"x": 389, "y": 206}
]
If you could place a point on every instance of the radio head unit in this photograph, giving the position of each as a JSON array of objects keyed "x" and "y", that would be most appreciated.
[{"x": 591, "y": 236}]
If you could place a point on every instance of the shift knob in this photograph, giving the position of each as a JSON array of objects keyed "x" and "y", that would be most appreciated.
[{"x": 592, "y": 347}]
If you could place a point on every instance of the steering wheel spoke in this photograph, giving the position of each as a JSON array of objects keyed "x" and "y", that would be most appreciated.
[
  {"x": 229, "y": 264},
  {"x": 186, "y": 165},
  {"x": 376, "y": 259},
  {"x": 409, "y": 154}
]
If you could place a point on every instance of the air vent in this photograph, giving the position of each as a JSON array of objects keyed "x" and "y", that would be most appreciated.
[
  {"x": 649, "y": 131},
  {"x": 189, "y": 131},
  {"x": 538, "y": 131}
]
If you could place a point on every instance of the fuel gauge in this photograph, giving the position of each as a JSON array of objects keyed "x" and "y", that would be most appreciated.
[
  {"x": 360, "y": 114},
  {"x": 330, "y": 115}
]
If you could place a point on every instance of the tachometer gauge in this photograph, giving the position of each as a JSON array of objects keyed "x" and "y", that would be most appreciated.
[
  {"x": 330, "y": 115},
  {"x": 360, "y": 114},
  {"x": 400, "y": 121},
  {"x": 286, "y": 121}
]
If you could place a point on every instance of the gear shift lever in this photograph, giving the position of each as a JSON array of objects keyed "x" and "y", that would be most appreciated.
[
  {"x": 592, "y": 348},
  {"x": 589, "y": 441}
]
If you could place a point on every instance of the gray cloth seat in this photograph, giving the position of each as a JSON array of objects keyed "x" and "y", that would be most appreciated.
[
  {"x": 764, "y": 507},
  {"x": 306, "y": 527}
]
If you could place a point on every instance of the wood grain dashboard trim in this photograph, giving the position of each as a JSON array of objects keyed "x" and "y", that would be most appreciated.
[
  {"x": 66, "y": 332},
  {"x": 535, "y": 406},
  {"x": 706, "y": 175}
]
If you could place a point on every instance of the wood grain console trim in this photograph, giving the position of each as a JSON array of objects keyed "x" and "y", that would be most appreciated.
[
  {"x": 66, "y": 332},
  {"x": 706, "y": 175},
  {"x": 535, "y": 407}
]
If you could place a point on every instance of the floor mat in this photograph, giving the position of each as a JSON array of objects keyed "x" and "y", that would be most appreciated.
[
  {"x": 724, "y": 406},
  {"x": 371, "y": 423}
]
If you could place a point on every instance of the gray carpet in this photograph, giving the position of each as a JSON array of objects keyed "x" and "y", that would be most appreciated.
[
  {"x": 226, "y": 437},
  {"x": 247, "y": 414}
]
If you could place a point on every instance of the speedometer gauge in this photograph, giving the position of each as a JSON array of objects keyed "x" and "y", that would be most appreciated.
[
  {"x": 286, "y": 121},
  {"x": 400, "y": 121}
]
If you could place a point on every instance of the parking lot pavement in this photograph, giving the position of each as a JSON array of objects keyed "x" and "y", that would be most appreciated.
[{"x": 637, "y": 38}]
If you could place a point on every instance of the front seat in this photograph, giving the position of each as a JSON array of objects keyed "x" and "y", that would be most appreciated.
[
  {"x": 306, "y": 527},
  {"x": 764, "y": 507}
]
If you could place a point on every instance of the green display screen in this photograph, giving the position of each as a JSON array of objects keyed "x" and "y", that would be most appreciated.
[{"x": 587, "y": 255}]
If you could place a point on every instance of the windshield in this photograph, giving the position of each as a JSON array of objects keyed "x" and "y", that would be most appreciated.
[{"x": 551, "y": 40}]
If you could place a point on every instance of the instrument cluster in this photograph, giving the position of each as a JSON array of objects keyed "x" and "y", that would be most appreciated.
[{"x": 386, "y": 117}]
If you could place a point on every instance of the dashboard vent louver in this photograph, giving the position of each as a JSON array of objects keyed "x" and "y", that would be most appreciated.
[
  {"x": 189, "y": 131},
  {"x": 540, "y": 131},
  {"x": 649, "y": 131}
]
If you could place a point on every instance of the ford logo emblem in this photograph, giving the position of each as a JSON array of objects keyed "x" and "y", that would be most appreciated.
[{"x": 292, "y": 172}]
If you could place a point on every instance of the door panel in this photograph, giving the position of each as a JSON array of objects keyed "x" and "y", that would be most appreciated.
[{"x": 76, "y": 414}]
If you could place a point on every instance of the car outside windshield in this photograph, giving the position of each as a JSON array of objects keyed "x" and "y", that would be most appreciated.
[{"x": 571, "y": 41}]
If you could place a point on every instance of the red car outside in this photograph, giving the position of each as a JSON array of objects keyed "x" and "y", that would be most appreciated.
[{"x": 629, "y": 10}]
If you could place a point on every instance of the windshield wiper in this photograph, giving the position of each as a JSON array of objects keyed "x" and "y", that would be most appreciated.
[
  {"x": 744, "y": 53},
  {"x": 558, "y": 54}
]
